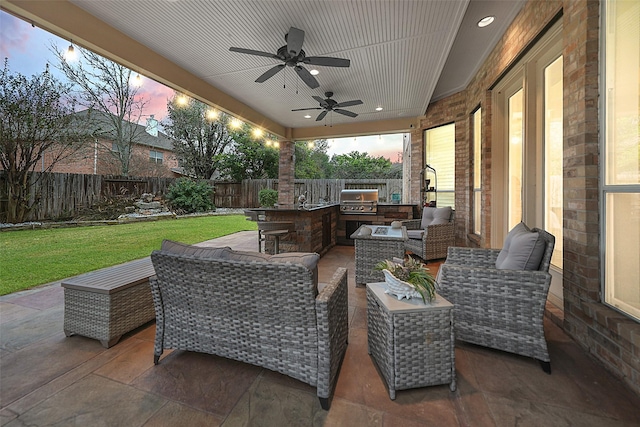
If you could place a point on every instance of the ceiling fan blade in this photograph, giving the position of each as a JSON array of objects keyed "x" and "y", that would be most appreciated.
[
  {"x": 303, "y": 109},
  {"x": 321, "y": 116},
  {"x": 327, "y": 61},
  {"x": 295, "y": 38},
  {"x": 322, "y": 102},
  {"x": 345, "y": 112},
  {"x": 269, "y": 73},
  {"x": 253, "y": 52},
  {"x": 348, "y": 103},
  {"x": 306, "y": 76}
]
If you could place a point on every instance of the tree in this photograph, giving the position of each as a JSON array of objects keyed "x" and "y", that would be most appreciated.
[
  {"x": 312, "y": 160},
  {"x": 36, "y": 117},
  {"x": 105, "y": 86},
  {"x": 358, "y": 165},
  {"x": 249, "y": 158},
  {"x": 199, "y": 139}
]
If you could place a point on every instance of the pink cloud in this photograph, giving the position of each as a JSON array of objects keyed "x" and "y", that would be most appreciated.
[{"x": 14, "y": 35}]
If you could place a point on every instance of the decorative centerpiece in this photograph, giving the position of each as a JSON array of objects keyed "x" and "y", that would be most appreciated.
[{"x": 408, "y": 279}]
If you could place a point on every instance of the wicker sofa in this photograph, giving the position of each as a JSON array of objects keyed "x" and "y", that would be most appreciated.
[
  {"x": 261, "y": 309},
  {"x": 501, "y": 308}
]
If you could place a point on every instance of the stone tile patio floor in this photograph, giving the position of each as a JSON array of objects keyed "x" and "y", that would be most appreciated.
[{"x": 49, "y": 379}]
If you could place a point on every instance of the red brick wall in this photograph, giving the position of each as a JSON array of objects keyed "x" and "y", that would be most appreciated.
[
  {"x": 610, "y": 337},
  {"x": 82, "y": 161}
]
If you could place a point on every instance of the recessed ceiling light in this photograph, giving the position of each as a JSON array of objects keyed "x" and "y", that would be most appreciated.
[
  {"x": 379, "y": 109},
  {"x": 487, "y": 20},
  {"x": 314, "y": 72},
  {"x": 307, "y": 116}
]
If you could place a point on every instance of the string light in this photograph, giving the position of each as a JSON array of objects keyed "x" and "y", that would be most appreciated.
[
  {"x": 212, "y": 114},
  {"x": 70, "y": 55},
  {"x": 182, "y": 100},
  {"x": 235, "y": 123},
  {"x": 137, "y": 80},
  {"x": 257, "y": 133}
]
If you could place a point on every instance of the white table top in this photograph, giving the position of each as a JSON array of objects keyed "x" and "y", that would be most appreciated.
[
  {"x": 381, "y": 232},
  {"x": 392, "y": 304}
]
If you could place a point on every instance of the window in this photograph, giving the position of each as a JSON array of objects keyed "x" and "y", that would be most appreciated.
[
  {"x": 527, "y": 149},
  {"x": 621, "y": 151},
  {"x": 156, "y": 156},
  {"x": 440, "y": 155},
  {"x": 477, "y": 171},
  {"x": 515, "y": 127},
  {"x": 553, "y": 156}
]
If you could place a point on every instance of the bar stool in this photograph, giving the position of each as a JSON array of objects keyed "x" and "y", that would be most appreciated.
[
  {"x": 255, "y": 215},
  {"x": 276, "y": 229}
]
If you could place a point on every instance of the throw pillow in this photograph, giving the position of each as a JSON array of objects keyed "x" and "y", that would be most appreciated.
[
  {"x": 523, "y": 250},
  {"x": 198, "y": 251},
  {"x": 434, "y": 216}
]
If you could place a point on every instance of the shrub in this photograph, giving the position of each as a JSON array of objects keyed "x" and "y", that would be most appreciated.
[
  {"x": 267, "y": 197},
  {"x": 189, "y": 196}
]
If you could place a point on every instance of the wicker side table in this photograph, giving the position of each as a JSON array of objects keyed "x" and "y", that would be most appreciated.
[
  {"x": 371, "y": 249},
  {"x": 411, "y": 343}
]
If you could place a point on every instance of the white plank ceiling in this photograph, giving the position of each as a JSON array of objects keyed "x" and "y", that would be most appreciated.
[{"x": 398, "y": 48}]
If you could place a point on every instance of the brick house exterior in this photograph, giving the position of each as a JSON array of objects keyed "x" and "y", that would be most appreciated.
[
  {"x": 609, "y": 336},
  {"x": 152, "y": 154}
]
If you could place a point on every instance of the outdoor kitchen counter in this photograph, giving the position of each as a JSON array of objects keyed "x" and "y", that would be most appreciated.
[{"x": 315, "y": 226}]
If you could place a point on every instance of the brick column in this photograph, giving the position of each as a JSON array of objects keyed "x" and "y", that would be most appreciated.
[{"x": 286, "y": 174}]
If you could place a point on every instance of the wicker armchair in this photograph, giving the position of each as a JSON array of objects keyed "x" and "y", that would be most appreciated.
[
  {"x": 500, "y": 309},
  {"x": 266, "y": 312},
  {"x": 436, "y": 239}
]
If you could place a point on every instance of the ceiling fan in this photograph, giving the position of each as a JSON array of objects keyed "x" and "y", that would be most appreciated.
[
  {"x": 292, "y": 55},
  {"x": 331, "y": 105}
]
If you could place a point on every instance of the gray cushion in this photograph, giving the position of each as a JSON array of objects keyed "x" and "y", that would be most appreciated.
[
  {"x": 416, "y": 234},
  {"x": 198, "y": 251},
  {"x": 523, "y": 249},
  {"x": 434, "y": 216},
  {"x": 309, "y": 260},
  {"x": 246, "y": 256}
]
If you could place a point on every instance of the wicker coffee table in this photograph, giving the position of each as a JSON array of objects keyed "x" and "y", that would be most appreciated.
[
  {"x": 383, "y": 243},
  {"x": 411, "y": 342}
]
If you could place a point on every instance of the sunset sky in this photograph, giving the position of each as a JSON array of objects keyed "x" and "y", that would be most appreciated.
[{"x": 28, "y": 51}]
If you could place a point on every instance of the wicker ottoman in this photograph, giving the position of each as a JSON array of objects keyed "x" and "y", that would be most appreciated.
[
  {"x": 411, "y": 343},
  {"x": 106, "y": 304}
]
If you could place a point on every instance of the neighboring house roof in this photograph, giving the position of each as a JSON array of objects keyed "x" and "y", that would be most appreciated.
[{"x": 102, "y": 127}]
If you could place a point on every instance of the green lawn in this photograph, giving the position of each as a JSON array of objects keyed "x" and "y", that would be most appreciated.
[{"x": 32, "y": 257}]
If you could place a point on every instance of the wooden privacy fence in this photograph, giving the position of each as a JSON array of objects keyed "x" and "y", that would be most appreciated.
[{"x": 62, "y": 195}]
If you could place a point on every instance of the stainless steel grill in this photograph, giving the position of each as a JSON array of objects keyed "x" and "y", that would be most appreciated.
[{"x": 358, "y": 201}]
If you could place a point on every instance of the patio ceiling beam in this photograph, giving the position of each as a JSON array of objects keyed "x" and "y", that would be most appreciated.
[
  {"x": 66, "y": 20},
  {"x": 378, "y": 127}
]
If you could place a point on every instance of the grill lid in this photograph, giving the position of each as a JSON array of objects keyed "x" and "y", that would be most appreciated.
[
  {"x": 359, "y": 196},
  {"x": 358, "y": 201}
]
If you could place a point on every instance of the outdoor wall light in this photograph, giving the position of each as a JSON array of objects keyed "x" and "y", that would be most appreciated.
[
  {"x": 182, "y": 100},
  {"x": 257, "y": 133},
  {"x": 235, "y": 123}
]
